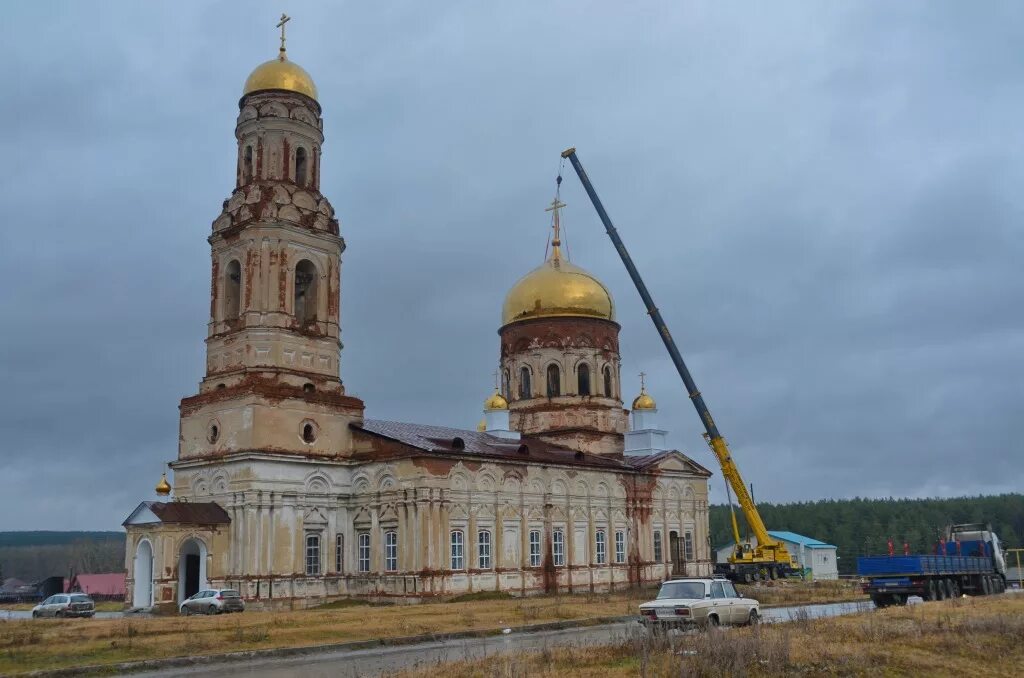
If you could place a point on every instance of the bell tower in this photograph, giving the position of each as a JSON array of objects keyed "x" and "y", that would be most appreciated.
[{"x": 273, "y": 343}]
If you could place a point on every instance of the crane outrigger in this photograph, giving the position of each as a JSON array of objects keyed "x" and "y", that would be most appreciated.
[{"x": 769, "y": 558}]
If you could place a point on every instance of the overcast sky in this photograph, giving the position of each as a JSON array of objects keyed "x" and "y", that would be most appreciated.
[{"x": 824, "y": 198}]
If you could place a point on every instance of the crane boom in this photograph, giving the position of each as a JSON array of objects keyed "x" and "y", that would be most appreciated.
[{"x": 770, "y": 548}]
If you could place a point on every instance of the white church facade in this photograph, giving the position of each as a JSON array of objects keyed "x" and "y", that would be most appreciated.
[{"x": 282, "y": 487}]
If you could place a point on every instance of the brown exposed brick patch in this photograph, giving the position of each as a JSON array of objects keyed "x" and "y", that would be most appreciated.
[
  {"x": 639, "y": 491},
  {"x": 282, "y": 281},
  {"x": 561, "y": 332},
  {"x": 215, "y": 274},
  {"x": 252, "y": 265},
  {"x": 259, "y": 158},
  {"x": 270, "y": 389},
  {"x": 333, "y": 295}
]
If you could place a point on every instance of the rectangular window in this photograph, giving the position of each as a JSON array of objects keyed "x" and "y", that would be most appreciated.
[
  {"x": 620, "y": 546},
  {"x": 312, "y": 555},
  {"x": 339, "y": 553},
  {"x": 558, "y": 547},
  {"x": 390, "y": 551},
  {"x": 458, "y": 542},
  {"x": 364, "y": 551},
  {"x": 534, "y": 548},
  {"x": 483, "y": 552},
  {"x": 602, "y": 552},
  {"x": 688, "y": 546},
  {"x": 657, "y": 546}
]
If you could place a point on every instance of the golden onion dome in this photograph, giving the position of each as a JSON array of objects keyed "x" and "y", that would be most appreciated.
[
  {"x": 482, "y": 426},
  {"x": 557, "y": 288},
  {"x": 163, "y": 488},
  {"x": 280, "y": 74},
  {"x": 496, "y": 402},
  {"x": 644, "y": 401}
]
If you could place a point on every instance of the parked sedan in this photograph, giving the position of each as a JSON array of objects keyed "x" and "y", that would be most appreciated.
[
  {"x": 213, "y": 601},
  {"x": 65, "y": 605},
  {"x": 700, "y": 602}
]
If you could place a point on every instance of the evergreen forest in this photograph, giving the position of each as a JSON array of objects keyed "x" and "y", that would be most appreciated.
[{"x": 864, "y": 526}]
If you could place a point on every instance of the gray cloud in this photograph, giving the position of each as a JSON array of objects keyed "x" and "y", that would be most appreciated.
[{"x": 823, "y": 199}]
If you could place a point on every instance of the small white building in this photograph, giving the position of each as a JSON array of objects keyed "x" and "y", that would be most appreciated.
[{"x": 818, "y": 559}]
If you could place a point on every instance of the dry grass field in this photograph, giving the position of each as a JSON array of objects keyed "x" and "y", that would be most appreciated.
[
  {"x": 27, "y": 645},
  {"x": 962, "y": 637}
]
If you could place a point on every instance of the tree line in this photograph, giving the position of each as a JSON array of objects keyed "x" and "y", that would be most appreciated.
[
  {"x": 33, "y": 556},
  {"x": 864, "y": 526}
]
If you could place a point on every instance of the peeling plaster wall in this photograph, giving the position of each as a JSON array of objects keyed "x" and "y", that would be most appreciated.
[{"x": 588, "y": 422}]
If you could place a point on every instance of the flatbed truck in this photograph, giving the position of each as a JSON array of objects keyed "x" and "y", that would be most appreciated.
[{"x": 968, "y": 561}]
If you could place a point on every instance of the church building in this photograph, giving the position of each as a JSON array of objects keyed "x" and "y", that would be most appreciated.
[{"x": 285, "y": 490}]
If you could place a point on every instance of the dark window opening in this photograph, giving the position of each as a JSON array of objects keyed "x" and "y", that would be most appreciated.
[
  {"x": 232, "y": 290},
  {"x": 308, "y": 388},
  {"x": 583, "y": 379},
  {"x": 214, "y": 433},
  {"x": 525, "y": 390},
  {"x": 247, "y": 165},
  {"x": 305, "y": 292},
  {"x": 308, "y": 433},
  {"x": 300, "y": 166},
  {"x": 554, "y": 381},
  {"x": 220, "y": 386},
  {"x": 506, "y": 385},
  {"x": 607, "y": 382}
]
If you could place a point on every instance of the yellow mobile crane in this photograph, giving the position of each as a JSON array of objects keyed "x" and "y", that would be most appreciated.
[{"x": 769, "y": 558}]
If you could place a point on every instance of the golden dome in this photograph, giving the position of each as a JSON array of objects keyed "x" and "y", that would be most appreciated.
[
  {"x": 280, "y": 74},
  {"x": 482, "y": 426},
  {"x": 163, "y": 488},
  {"x": 496, "y": 402},
  {"x": 557, "y": 288},
  {"x": 644, "y": 401}
]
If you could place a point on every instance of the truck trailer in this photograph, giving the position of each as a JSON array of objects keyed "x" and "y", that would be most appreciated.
[{"x": 968, "y": 560}]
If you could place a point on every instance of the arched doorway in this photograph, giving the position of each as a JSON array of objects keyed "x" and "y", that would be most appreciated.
[
  {"x": 191, "y": 568},
  {"x": 142, "y": 572}
]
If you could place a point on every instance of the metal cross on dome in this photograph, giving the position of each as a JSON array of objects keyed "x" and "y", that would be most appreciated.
[
  {"x": 556, "y": 205},
  {"x": 642, "y": 385},
  {"x": 280, "y": 24}
]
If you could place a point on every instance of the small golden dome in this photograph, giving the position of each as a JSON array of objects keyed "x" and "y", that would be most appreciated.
[
  {"x": 482, "y": 426},
  {"x": 557, "y": 288},
  {"x": 280, "y": 74},
  {"x": 163, "y": 488},
  {"x": 644, "y": 401},
  {"x": 496, "y": 402}
]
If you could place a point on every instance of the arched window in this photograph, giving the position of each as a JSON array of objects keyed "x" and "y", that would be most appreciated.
[
  {"x": 525, "y": 390},
  {"x": 583, "y": 379},
  {"x": 554, "y": 381},
  {"x": 232, "y": 289},
  {"x": 300, "y": 166},
  {"x": 506, "y": 384},
  {"x": 305, "y": 292},
  {"x": 607, "y": 382},
  {"x": 247, "y": 165}
]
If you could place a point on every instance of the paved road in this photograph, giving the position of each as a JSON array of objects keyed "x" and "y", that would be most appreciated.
[
  {"x": 384, "y": 661},
  {"x": 27, "y": 614}
]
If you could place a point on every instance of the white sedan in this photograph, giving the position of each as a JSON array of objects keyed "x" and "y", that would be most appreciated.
[{"x": 698, "y": 602}]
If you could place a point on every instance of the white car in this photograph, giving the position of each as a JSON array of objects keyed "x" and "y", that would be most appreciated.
[
  {"x": 65, "y": 605},
  {"x": 699, "y": 602}
]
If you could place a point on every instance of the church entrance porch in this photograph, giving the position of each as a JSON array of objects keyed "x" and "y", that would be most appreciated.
[{"x": 191, "y": 568}]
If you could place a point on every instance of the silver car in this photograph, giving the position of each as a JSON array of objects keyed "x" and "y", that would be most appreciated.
[
  {"x": 213, "y": 601},
  {"x": 65, "y": 605}
]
